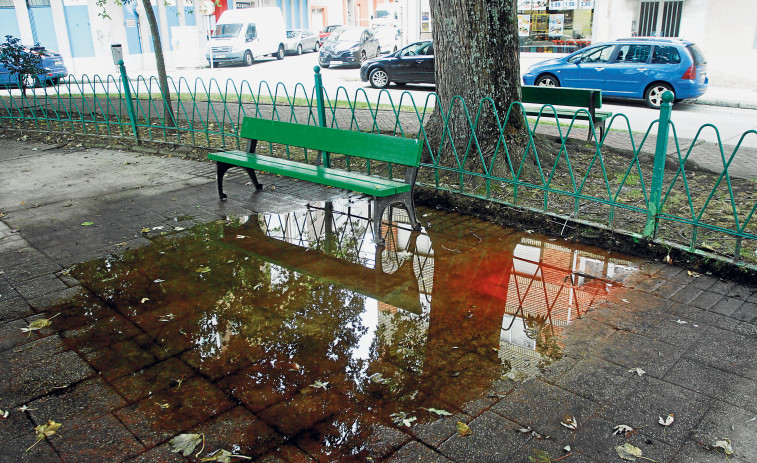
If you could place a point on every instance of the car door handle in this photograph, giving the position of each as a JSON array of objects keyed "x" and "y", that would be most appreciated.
[
  {"x": 600, "y": 69},
  {"x": 642, "y": 69},
  {"x": 419, "y": 61}
]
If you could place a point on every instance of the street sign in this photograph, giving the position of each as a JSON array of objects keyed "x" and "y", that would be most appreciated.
[{"x": 207, "y": 8}]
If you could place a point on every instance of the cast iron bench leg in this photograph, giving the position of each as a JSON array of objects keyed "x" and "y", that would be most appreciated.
[
  {"x": 222, "y": 167},
  {"x": 406, "y": 199}
]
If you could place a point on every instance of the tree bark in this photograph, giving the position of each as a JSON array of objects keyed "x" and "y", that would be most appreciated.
[
  {"x": 160, "y": 62},
  {"x": 476, "y": 54}
]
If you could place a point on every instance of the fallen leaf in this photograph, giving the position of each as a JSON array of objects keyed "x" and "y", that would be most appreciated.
[
  {"x": 402, "y": 419},
  {"x": 202, "y": 269},
  {"x": 694, "y": 274},
  {"x": 320, "y": 384},
  {"x": 724, "y": 444},
  {"x": 185, "y": 443},
  {"x": 637, "y": 370},
  {"x": 45, "y": 430},
  {"x": 241, "y": 237},
  {"x": 224, "y": 456},
  {"x": 623, "y": 429},
  {"x": 38, "y": 324},
  {"x": 144, "y": 299},
  {"x": 570, "y": 422},
  {"x": 668, "y": 259},
  {"x": 515, "y": 375},
  {"x": 681, "y": 322},
  {"x": 628, "y": 452},
  {"x": 666, "y": 421},
  {"x": 566, "y": 448},
  {"x": 178, "y": 229},
  {"x": 625, "y": 300},
  {"x": 87, "y": 224},
  {"x": 539, "y": 456},
  {"x": 463, "y": 429},
  {"x": 439, "y": 412},
  {"x": 145, "y": 230},
  {"x": 3, "y": 413}
]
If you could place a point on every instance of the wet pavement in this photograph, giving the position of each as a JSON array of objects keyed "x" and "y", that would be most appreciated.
[{"x": 136, "y": 307}]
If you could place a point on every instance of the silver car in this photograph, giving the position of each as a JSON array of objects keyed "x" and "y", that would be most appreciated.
[{"x": 300, "y": 40}]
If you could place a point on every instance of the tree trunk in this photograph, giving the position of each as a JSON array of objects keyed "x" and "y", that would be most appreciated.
[
  {"x": 476, "y": 55},
  {"x": 160, "y": 62}
]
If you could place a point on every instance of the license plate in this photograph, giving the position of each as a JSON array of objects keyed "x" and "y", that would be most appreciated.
[{"x": 219, "y": 56}]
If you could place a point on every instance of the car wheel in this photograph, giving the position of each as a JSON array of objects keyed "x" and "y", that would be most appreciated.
[
  {"x": 363, "y": 56},
  {"x": 248, "y": 58},
  {"x": 324, "y": 65},
  {"x": 653, "y": 95},
  {"x": 299, "y": 48},
  {"x": 280, "y": 53},
  {"x": 378, "y": 78},
  {"x": 547, "y": 80}
]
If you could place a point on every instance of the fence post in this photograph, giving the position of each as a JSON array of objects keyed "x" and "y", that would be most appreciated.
[
  {"x": 127, "y": 96},
  {"x": 321, "y": 109},
  {"x": 658, "y": 169}
]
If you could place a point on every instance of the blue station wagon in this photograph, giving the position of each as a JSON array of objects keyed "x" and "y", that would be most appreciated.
[
  {"x": 52, "y": 63},
  {"x": 639, "y": 67}
]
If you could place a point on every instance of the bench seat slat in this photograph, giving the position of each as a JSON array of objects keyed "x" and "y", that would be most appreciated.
[
  {"x": 355, "y": 181},
  {"x": 535, "y": 110},
  {"x": 398, "y": 150}
]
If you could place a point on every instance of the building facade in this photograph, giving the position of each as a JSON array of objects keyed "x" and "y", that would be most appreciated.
[{"x": 84, "y": 33}]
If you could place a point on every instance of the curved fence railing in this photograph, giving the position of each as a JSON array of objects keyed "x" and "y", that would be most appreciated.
[{"x": 646, "y": 185}]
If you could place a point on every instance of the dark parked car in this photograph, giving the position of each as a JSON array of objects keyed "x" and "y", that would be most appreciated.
[
  {"x": 349, "y": 45},
  {"x": 301, "y": 40},
  {"x": 52, "y": 63},
  {"x": 639, "y": 67},
  {"x": 412, "y": 64}
]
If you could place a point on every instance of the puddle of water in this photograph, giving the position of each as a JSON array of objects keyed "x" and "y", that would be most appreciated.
[{"x": 319, "y": 334}]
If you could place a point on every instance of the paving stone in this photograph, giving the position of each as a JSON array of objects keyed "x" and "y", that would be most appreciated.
[
  {"x": 22, "y": 385},
  {"x": 415, "y": 451},
  {"x": 67, "y": 294},
  {"x": 77, "y": 405},
  {"x": 645, "y": 399},
  {"x": 14, "y": 451},
  {"x": 595, "y": 379},
  {"x": 40, "y": 286},
  {"x": 31, "y": 352},
  {"x": 543, "y": 407},
  {"x": 492, "y": 439},
  {"x": 714, "y": 383},
  {"x": 240, "y": 430},
  {"x": 104, "y": 439},
  {"x": 172, "y": 411},
  {"x": 725, "y": 420},
  {"x": 726, "y": 350},
  {"x": 726, "y": 306},
  {"x": 740, "y": 292},
  {"x": 438, "y": 430},
  {"x": 594, "y": 438},
  {"x": 746, "y": 312},
  {"x": 694, "y": 451},
  {"x": 14, "y": 308},
  {"x": 25, "y": 264},
  {"x": 706, "y": 300},
  {"x": 159, "y": 376},
  {"x": 120, "y": 359},
  {"x": 17, "y": 424},
  {"x": 700, "y": 317},
  {"x": 12, "y": 336},
  {"x": 687, "y": 294},
  {"x": 161, "y": 453},
  {"x": 384, "y": 440},
  {"x": 675, "y": 331},
  {"x": 722, "y": 287},
  {"x": 634, "y": 351}
]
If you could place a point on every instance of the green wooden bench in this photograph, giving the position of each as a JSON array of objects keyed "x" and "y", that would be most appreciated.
[
  {"x": 369, "y": 146},
  {"x": 562, "y": 96}
]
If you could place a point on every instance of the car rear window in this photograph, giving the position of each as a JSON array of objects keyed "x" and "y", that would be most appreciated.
[
  {"x": 665, "y": 55},
  {"x": 696, "y": 54}
]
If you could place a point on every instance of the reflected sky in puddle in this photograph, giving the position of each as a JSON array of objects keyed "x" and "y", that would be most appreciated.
[{"x": 301, "y": 325}]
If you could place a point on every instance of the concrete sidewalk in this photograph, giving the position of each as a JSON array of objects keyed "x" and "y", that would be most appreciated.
[{"x": 669, "y": 343}]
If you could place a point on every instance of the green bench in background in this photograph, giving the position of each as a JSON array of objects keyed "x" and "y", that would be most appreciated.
[
  {"x": 369, "y": 146},
  {"x": 562, "y": 96}
]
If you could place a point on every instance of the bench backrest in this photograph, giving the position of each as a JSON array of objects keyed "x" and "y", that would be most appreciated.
[
  {"x": 385, "y": 148},
  {"x": 580, "y": 97}
]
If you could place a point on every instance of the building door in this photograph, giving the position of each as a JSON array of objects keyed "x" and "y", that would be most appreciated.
[
  {"x": 41, "y": 19},
  {"x": 660, "y": 18}
]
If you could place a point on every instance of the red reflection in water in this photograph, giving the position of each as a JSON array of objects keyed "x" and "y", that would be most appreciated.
[{"x": 301, "y": 327}]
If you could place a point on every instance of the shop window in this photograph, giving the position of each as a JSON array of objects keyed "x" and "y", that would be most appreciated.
[
  {"x": 554, "y": 26},
  {"x": 6, "y": 3}
]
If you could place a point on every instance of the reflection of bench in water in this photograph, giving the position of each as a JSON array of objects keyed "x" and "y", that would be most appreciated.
[{"x": 326, "y": 256}]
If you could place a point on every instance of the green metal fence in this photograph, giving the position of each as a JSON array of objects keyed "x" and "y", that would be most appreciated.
[{"x": 643, "y": 185}]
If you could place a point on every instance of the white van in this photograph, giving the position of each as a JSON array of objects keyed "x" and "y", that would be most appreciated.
[
  {"x": 386, "y": 14},
  {"x": 244, "y": 34}
]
